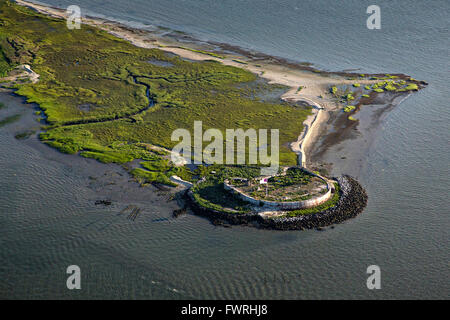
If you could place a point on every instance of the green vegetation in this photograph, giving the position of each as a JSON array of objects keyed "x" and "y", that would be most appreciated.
[
  {"x": 211, "y": 194},
  {"x": 145, "y": 176},
  {"x": 324, "y": 206},
  {"x": 2, "y": 105},
  {"x": 293, "y": 176},
  {"x": 356, "y": 85},
  {"x": 411, "y": 86},
  {"x": 221, "y": 172},
  {"x": 351, "y": 118},
  {"x": 390, "y": 87},
  {"x": 295, "y": 185},
  {"x": 104, "y": 100},
  {"x": 349, "y": 97},
  {"x": 349, "y": 108},
  {"x": 333, "y": 90},
  {"x": 159, "y": 170},
  {"x": 365, "y": 96}
]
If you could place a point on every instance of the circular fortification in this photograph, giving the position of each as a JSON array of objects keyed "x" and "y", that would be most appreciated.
[{"x": 328, "y": 202}]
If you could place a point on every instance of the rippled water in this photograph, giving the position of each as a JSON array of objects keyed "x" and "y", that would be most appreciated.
[{"x": 48, "y": 218}]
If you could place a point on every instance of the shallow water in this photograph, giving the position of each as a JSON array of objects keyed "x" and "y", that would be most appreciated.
[{"x": 48, "y": 218}]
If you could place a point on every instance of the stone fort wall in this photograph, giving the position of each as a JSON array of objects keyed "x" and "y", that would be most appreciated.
[{"x": 288, "y": 205}]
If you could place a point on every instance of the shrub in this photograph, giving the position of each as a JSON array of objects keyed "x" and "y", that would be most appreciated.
[
  {"x": 390, "y": 87},
  {"x": 333, "y": 90},
  {"x": 349, "y": 108},
  {"x": 412, "y": 86}
]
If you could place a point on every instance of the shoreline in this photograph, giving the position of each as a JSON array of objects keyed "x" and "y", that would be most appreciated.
[
  {"x": 314, "y": 83},
  {"x": 307, "y": 86}
]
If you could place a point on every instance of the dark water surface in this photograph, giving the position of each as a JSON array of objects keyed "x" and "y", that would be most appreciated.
[{"x": 48, "y": 219}]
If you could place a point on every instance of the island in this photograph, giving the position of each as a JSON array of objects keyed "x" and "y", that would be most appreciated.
[{"x": 116, "y": 94}]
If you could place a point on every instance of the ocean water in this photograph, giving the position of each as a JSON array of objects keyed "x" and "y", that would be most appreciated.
[{"x": 48, "y": 219}]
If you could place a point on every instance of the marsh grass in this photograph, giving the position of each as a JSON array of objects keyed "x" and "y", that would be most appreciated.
[
  {"x": 410, "y": 86},
  {"x": 349, "y": 108},
  {"x": 130, "y": 100}
]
